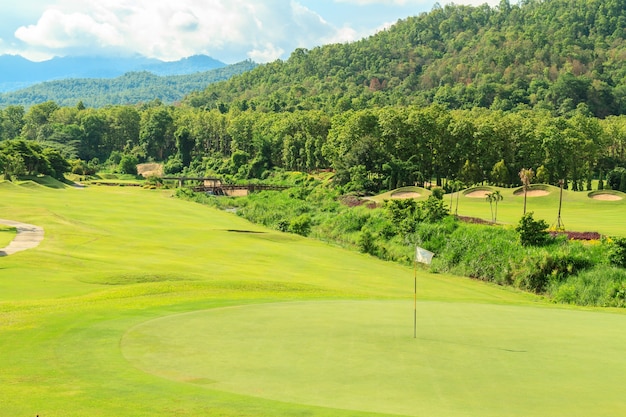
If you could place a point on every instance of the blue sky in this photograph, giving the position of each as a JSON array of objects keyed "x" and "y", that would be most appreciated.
[{"x": 228, "y": 30}]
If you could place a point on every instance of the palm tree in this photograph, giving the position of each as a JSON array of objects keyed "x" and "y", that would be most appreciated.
[
  {"x": 497, "y": 196},
  {"x": 494, "y": 197},
  {"x": 526, "y": 175},
  {"x": 490, "y": 198}
]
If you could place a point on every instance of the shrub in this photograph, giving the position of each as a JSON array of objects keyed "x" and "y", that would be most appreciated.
[
  {"x": 602, "y": 286},
  {"x": 301, "y": 225},
  {"x": 617, "y": 252},
  {"x": 532, "y": 232},
  {"x": 128, "y": 165}
]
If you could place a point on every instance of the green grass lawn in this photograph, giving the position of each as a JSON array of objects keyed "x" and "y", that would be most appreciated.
[
  {"x": 579, "y": 212},
  {"x": 7, "y": 233},
  {"x": 140, "y": 304}
]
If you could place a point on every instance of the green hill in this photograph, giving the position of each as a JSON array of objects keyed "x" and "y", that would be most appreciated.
[
  {"x": 554, "y": 55},
  {"x": 130, "y": 88}
]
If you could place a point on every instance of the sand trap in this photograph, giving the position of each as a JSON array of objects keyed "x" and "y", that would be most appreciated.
[
  {"x": 478, "y": 194},
  {"x": 533, "y": 193},
  {"x": 406, "y": 194},
  {"x": 606, "y": 197},
  {"x": 28, "y": 236}
]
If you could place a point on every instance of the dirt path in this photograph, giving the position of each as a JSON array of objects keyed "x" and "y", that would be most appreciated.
[{"x": 28, "y": 236}]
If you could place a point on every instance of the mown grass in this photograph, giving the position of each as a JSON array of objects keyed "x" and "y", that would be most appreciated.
[
  {"x": 7, "y": 234},
  {"x": 579, "y": 212},
  {"x": 116, "y": 257}
]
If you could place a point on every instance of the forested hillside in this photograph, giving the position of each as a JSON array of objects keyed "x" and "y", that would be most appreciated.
[
  {"x": 460, "y": 95},
  {"x": 555, "y": 55},
  {"x": 131, "y": 88}
]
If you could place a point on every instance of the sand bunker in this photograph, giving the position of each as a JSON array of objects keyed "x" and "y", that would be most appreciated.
[
  {"x": 606, "y": 197},
  {"x": 533, "y": 193},
  {"x": 478, "y": 194},
  {"x": 406, "y": 194}
]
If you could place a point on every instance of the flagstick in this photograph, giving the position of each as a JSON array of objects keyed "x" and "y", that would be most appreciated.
[{"x": 415, "y": 299}]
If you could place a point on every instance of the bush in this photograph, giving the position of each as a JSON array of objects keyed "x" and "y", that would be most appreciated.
[
  {"x": 128, "y": 165},
  {"x": 617, "y": 252},
  {"x": 532, "y": 232},
  {"x": 602, "y": 286},
  {"x": 301, "y": 225}
]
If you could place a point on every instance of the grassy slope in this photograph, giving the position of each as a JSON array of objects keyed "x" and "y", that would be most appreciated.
[{"x": 115, "y": 257}]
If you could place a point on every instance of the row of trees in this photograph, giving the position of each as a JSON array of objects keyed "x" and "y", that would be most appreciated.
[{"x": 370, "y": 150}]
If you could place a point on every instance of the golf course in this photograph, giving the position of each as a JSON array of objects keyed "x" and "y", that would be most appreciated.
[{"x": 137, "y": 304}]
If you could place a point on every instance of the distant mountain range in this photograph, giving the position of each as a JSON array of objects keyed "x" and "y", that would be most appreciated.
[
  {"x": 127, "y": 89},
  {"x": 17, "y": 72}
]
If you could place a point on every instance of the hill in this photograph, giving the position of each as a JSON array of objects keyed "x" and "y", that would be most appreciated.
[
  {"x": 556, "y": 55},
  {"x": 17, "y": 72},
  {"x": 130, "y": 88}
]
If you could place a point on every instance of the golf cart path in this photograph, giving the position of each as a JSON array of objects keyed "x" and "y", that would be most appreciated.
[{"x": 28, "y": 236}]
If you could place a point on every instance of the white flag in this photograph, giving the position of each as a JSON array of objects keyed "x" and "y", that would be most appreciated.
[{"x": 423, "y": 256}]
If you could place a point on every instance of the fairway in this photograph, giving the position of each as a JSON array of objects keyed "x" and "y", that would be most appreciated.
[
  {"x": 137, "y": 304},
  {"x": 467, "y": 359}
]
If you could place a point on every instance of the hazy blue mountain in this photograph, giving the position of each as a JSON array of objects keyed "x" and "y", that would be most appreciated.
[
  {"x": 17, "y": 72},
  {"x": 129, "y": 88}
]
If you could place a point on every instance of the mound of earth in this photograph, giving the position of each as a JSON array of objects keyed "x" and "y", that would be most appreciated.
[
  {"x": 150, "y": 170},
  {"x": 606, "y": 197},
  {"x": 405, "y": 194},
  {"x": 478, "y": 194}
]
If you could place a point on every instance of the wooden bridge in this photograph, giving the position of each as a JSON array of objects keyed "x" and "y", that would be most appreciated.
[{"x": 217, "y": 187}]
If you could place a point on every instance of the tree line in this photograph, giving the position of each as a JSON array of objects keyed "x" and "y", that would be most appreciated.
[{"x": 370, "y": 150}]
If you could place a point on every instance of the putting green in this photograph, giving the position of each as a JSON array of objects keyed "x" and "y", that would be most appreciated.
[{"x": 467, "y": 359}]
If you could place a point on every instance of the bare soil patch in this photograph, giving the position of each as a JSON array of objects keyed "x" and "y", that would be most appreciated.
[
  {"x": 405, "y": 194},
  {"x": 606, "y": 197},
  {"x": 150, "y": 170}
]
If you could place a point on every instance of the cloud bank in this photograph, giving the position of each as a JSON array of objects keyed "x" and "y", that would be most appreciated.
[
  {"x": 229, "y": 30},
  {"x": 169, "y": 30}
]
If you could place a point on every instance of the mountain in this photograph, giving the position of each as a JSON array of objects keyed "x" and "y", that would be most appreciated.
[
  {"x": 17, "y": 72},
  {"x": 557, "y": 55},
  {"x": 130, "y": 88}
]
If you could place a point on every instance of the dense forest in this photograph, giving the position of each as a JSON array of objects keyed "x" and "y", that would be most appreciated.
[
  {"x": 130, "y": 88},
  {"x": 555, "y": 55}
]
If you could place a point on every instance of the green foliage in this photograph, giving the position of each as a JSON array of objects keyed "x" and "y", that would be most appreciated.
[
  {"x": 614, "y": 178},
  {"x": 128, "y": 165},
  {"x": 532, "y": 232},
  {"x": 130, "y": 88},
  {"x": 617, "y": 251},
  {"x": 301, "y": 225},
  {"x": 602, "y": 286}
]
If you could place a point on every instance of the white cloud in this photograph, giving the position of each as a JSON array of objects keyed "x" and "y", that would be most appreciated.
[
  {"x": 166, "y": 29},
  {"x": 229, "y": 30},
  {"x": 417, "y": 2}
]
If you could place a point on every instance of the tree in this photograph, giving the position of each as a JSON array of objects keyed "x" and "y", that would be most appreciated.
[
  {"x": 184, "y": 144},
  {"x": 500, "y": 174},
  {"x": 526, "y": 175},
  {"x": 128, "y": 164},
  {"x": 494, "y": 197}
]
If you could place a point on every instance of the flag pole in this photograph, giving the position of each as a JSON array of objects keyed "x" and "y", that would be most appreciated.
[{"x": 415, "y": 298}]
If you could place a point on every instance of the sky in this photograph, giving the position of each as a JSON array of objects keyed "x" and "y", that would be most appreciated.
[{"x": 228, "y": 30}]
